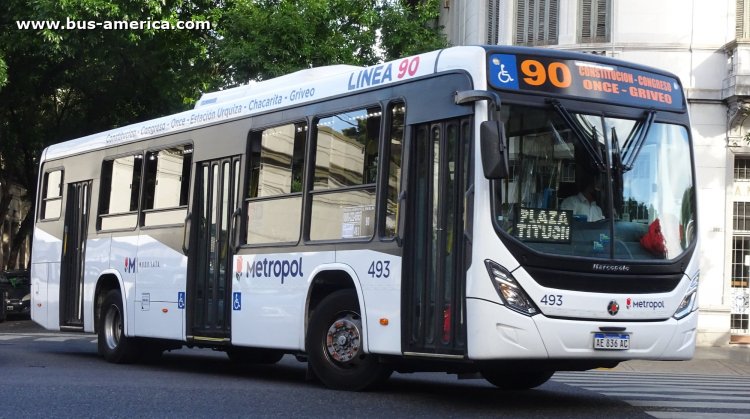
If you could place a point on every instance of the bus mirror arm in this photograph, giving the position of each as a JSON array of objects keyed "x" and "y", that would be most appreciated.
[
  {"x": 493, "y": 142},
  {"x": 186, "y": 233}
]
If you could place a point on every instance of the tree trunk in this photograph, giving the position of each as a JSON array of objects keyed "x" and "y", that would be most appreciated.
[
  {"x": 5, "y": 199},
  {"x": 24, "y": 231}
]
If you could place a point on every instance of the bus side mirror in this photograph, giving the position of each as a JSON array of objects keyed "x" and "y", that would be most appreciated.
[{"x": 494, "y": 150}]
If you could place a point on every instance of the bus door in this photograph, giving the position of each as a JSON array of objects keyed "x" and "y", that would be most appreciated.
[
  {"x": 210, "y": 253},
  {"x": 435, "y": 248},
  {"x": 74, "y": 255}
]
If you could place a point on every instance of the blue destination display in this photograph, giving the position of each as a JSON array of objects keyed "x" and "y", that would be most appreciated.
[{"x": 585, "y": 79}]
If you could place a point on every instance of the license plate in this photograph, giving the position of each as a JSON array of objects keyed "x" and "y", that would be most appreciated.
[
  {"x": 612, "y": 341},
  {"x": 9, "y": 308}
]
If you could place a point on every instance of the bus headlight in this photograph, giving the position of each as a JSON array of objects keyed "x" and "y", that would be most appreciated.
[
  {"x": 689, "y": 302},
  {"x": 512, "y": 295}
]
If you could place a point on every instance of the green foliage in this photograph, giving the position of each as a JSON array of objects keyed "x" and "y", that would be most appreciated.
[
  {"x": 409, "y": 30},
  {"x": 261, "y": 39},
  {"x": 57, "y": 85},
  {"x": 63, "y": 84}
]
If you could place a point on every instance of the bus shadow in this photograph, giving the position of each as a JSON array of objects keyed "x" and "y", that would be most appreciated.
[{"x": 422, "y": 392}]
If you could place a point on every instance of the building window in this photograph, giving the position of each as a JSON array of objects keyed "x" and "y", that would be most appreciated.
[
  {"x": 536, "y": 22},
  {"x": 274, "y": 207},
  {"x": 346, "y": 166},
  {"x": 742, "y": 169},
  {"x": 493, "y": 22},
  {"x": 594, "y": 17},
  {"x": 740, "y": 293},
  {"x": 742, "y": 19},
  {"x": 52, "y": 195}
]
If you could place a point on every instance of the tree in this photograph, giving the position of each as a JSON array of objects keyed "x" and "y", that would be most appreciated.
[
  {"x": 3, "y": 72},
  {"x": 410, "y": 28},
  {"x": 261, "y": 39},
  {"x": 63, "y": 84}
]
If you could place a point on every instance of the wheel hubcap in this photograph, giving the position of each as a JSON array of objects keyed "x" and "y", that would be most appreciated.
[
  {"x": 113, "y": 327},
  {"x": 343, "y": 340}
]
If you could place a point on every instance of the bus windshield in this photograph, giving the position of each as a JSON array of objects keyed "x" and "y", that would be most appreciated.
[{"x": 596, "y": 186}]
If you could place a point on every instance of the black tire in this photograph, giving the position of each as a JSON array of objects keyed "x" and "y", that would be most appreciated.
[
  {"x": 254, "y": 355},
  {"x": 113, "y": 345},
  {"x": 334, "y": 345},
  {"x": 517, "y": 380}
]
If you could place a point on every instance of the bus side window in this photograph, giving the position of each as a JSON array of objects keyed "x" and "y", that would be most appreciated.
[
  {"x": 396, "y": 127},
  {"x": 120, "y": 191},
  {"x": 346, "y": 161},
  {"x": 274, "y": 207},
  {"x": 165, "y": 185},
  {"x": 52, "y": 195}
]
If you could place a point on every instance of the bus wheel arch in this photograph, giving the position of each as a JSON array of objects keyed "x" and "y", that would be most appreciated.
[
  {"x": 113, "y": 344},
  {"x": 335, "y": 345},
  {"x": 324, "y": 283},
  {"x": 110, "y": 321},
  {"x": 104, "y": 285},
  {"x": 327, "y": 281}
]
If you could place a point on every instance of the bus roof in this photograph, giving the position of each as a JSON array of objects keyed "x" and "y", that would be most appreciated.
[
  {"x": 311, "y": 85},
  {"x": 255, "y": 98}
]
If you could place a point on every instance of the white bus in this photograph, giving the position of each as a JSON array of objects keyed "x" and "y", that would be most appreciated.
[{"x": 509, "y": 212}]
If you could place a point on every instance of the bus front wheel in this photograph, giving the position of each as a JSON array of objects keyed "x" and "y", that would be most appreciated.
[
  {"x": 334, "y": 345},
  {"x": 524, "y": 380},
  {"x": 113, "y": 345}
]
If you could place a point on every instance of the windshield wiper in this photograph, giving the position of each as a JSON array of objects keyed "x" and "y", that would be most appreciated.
[
  {"x": 581, "y": 135},
  {"x": 631, "y": 151},
  {"x": 618, "y": 169}
]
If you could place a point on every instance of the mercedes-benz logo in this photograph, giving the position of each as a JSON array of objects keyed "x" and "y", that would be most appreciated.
[{"x": 613, "y": 308}]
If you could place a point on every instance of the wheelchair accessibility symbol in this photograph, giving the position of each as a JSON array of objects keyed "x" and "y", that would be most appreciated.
[
  {"x": 503, "y": 71},
  {"x": 236, "y": 301},
  {"x": 503, "y": 75},
  {"x": 181, "y": 300}
]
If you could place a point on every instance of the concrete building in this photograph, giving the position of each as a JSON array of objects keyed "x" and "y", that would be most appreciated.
[{"x": 707, "y": 44}]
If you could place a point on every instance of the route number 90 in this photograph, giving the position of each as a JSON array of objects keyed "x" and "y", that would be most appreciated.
[
  {"x": 408, "y": 66},
  {"x": 536, "y": 74}
]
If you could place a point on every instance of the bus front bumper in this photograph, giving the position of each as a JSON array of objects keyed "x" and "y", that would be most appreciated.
[{"x": 496, "y": 333}]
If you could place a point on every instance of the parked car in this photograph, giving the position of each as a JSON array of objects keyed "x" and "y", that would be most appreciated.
[
  {"x": 16, "y": 287},
  {"x": 2, "y": 305}
]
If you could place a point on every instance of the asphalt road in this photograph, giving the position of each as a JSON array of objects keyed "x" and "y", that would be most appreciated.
[{"x": 45, "y": 374}]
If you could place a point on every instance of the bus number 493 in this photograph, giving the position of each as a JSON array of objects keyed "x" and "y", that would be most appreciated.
[
  {"x": 380, "y": 269},
  {"x": 552, "y": 300}
]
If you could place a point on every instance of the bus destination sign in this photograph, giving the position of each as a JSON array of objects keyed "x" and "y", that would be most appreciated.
[
  {"x": 543, "y": 225},
  {"x": 584, "y": 79}
]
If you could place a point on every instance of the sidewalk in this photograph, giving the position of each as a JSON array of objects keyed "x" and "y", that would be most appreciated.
[{"x": 730, "y": 360}]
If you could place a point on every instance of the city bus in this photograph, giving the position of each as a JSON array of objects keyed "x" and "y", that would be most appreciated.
[{"x": 486, "y": 211}]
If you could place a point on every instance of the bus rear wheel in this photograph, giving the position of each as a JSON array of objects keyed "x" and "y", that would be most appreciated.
[
  {"x": 517, "y": 380},
  {"x": 334, "y": 345},
  {"x": 113, "y": 345}
]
